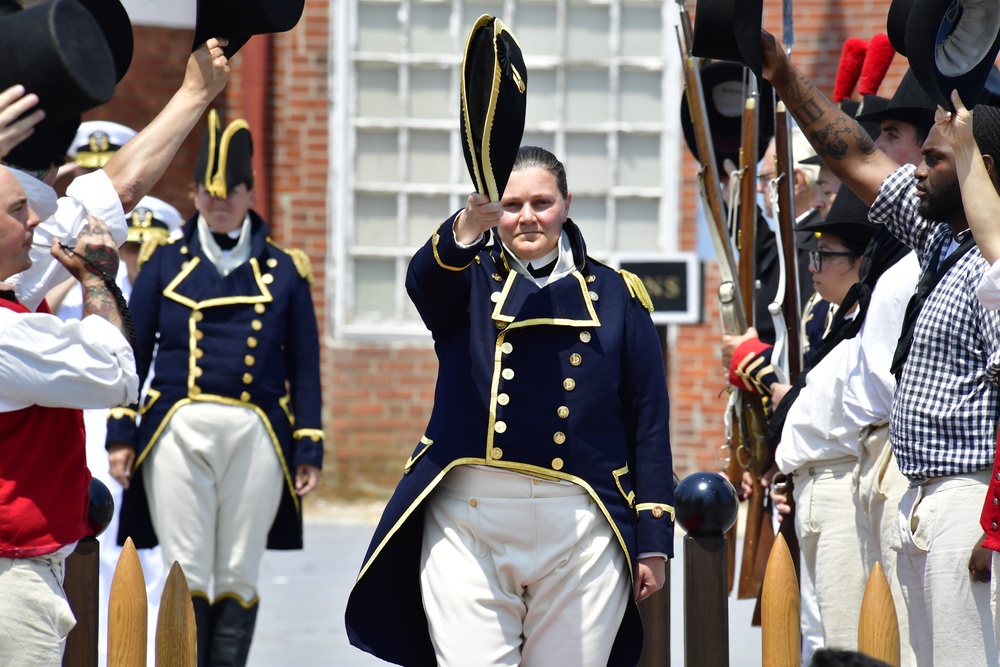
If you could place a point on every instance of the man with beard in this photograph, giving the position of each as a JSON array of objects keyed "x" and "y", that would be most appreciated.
[{"x": 943, "y": 418}]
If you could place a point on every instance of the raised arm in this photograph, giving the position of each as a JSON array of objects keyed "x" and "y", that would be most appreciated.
[
  {"x": 839, "y": 140},
  {"x": 140, "y": 163}
]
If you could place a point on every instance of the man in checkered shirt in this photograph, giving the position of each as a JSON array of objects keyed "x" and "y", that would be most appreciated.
[{"x": 943, "y": 422}]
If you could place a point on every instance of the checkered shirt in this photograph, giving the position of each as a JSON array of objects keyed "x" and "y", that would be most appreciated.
[{"x": 944, "y": 412}]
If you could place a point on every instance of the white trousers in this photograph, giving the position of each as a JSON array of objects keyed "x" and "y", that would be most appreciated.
[
  {"x": 829, "y": 548},
  {"x": 34, "y": 614},
  {"x": 880, "y": 486},
  {"x": 214, "y": 484},
  {"x": 520, "y": 571},
  {"x": 951, "y": 617}
]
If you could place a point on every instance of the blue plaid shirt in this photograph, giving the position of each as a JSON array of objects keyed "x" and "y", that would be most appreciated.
[{"x": 944, "y": 412}]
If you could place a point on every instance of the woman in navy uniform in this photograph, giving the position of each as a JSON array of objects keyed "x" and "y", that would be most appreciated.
[
  {"x": 537, "y": 507},
  {"x": 229, "y": 434}
]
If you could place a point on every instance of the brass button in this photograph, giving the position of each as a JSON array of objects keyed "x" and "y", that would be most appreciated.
[
  {"x": 272, "y": 262},
  {"x": 256, "y": 325},
  {"x": 507, "y": 374},
  {"x": 184, "y": 250},
  {"x": 559, "y": 437},
  {"x": 198, "y": 353},
  {"x": 199, "y": 334},
  {"x": 496, "y": 277},
  {"x": 245, "y": 396},
  {"x": 536, "y": 481},
  {"x": 591, "y": 279},
  {"x": 503, "y": 399},
  {"x": 557, "y": 463},
  {"x": 575, "y": 359},
  {"x": 562, "y": 411},
  {"x": 657, "y": 512},
  {"x": 585, "y": 336},
  {"x": 496, "y": 453},
  {"x": 473, "y": 502},
  {"x": 197, "y": 316},
  {"x": 501, "y": 325},
  {"x": 506, "y": 348},
  {"x": 569, "y": 384},
  {"x": 249, "y": 360},
  {"x": 259, "y": 308},
  {"x": 196, "y": 390},
  {"x": 267, "y": 279},
  {"x": 196, "y": 372},
  {"x": 494, "y": 297},
  {"x": 500, "y": 427},
  {"x": 247, "y": 378},
  {"x": 996, "y": 502},
  {"x": 436, "y": 238},
  {"x": 594, "y": 296},
  {"x": 251, "y": 342}
]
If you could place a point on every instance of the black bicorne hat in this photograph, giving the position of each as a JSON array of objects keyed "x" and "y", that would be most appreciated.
[
  {"x": 493, "y": 102},
  {"x": 722, "y": 83},
  {"x": 239, "y": 20},
  {"x": 226, "y": 155},
  {"x": 729, "y": 30}
]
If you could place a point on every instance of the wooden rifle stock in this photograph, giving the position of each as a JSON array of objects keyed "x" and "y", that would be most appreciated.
[{"x": 786, "y": 226}]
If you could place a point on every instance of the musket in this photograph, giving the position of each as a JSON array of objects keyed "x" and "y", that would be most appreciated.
[{"x": 789, "y": 305}]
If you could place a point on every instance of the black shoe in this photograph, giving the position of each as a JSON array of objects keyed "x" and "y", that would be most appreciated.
[
  {"x": 232, "y": 630},
  {"x": 203, "y": 624}
]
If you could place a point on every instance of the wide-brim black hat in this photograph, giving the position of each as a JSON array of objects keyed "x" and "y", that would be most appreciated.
[
  {"x": 46, "y": 146},
  {"x": 239, "y": 20},
  {"x": 910, "y": 104},
  {"x": 722, "y": 84},
  {"x": 226, "y": 156},
  {"x": 895, "y": 24},
  {"x": 117, "y": 28},
  {"x": 847, "y": 219},
  {"x": 953, "y": 46},
  {"x": 59, "y": 52},
  {"x": 729, "y": 30},
  {"x": 493, "y": 102}
]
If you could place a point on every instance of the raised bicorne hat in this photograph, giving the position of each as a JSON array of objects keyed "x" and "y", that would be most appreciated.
[
  {"x": 226, "y": 155},
  {"x": 153, "y": 218},
  {"x": 729, "y": 30},
  {"x": 96, "y": 141},
  {"x": 722, "y": 84},
  {"x": 952, "y": 45},
  {"x": 493, "y": 103},
  {"x": 239, "y": 20}
]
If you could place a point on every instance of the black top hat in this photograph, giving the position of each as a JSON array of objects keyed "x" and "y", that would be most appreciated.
[
  {"x": 895, "y": 24},
  {"x": 60, "y": 54},
  {"x": 952, "y": 46},
  {"x": 46, "y": 146},
  {"x": 114, "y": 21},
  {"x": 493, "y": 99},
  {"x": 729, "y": 30},
  {"x": 225, "y": 159},
  {"x": 847, "y": 219},
  {"x": 722, "y": 83},
  {"x": 910, "y": 104},
  {"x": 239, "y": 20}
]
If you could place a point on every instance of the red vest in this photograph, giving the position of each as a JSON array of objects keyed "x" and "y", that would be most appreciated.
[{"x": 44, "y": 479}]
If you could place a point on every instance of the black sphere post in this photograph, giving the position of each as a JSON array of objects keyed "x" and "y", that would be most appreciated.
[
  {"x": 82, "y": 582},
  {"x": 706, "y": 506}
]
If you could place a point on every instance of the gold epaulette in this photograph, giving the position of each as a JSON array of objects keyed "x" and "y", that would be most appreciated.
[
  {"x": 149, "y": 246},
  {"x": 637, "y": 289},
  {"x": 302, "y": 263}
]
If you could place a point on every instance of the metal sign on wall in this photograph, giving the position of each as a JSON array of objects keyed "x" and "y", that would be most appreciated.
[{"x": 674, "y": 283}]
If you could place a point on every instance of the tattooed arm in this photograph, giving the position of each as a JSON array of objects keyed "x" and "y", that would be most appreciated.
[
  {"x": 839, "y": 140},
  {"x": 94, "y": 258}
]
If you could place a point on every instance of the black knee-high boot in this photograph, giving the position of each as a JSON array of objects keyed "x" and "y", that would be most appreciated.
[
  {"x": 232, "y": 631},
  {"x": 203, "y": 624}
]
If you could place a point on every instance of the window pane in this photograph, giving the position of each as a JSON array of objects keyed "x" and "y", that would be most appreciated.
[
  {"x": 375, "y": 220},
  {"x": 377, "y": 157},
  {"x": 474, "y": 10},
  {"x": 586, "y": 32},
  {"x": 429, "y": 93},
  {"x": 586, "y": 96},
  {"x": 540, "y": 106},
  {"x": 640, "y": 101},
  {"x": 639, "y": 160},
  {"x": 638, "y": 226},
  {"x": 428, "y": 28},
  {"x": 429, "y": 158},
  {"x": 540, "y": 139},
  {"x": 590, "y": 215},
  {"x": 536, "y": 31},
  {"x": 641, "y": 31},
  {"x": 586, "y": 162},
  {"x": 424, "y": 216},
  {"x": 374, "y": 288},
  {"x": 378, "y": 91},
  {"x": 378, "y": 28}
]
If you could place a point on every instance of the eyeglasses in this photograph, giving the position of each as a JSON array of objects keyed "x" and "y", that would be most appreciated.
[{"x": 816, "y": 257}]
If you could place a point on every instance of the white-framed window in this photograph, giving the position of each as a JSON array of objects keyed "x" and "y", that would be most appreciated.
[{"x": 604, "y": 93}]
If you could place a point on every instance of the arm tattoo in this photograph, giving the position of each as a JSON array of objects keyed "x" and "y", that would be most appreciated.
[
  {"x": 97, "y": 300},
  {"x": 101, "y": 261}
]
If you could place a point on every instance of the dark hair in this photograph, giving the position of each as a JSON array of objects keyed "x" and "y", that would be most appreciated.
[
  {"x": 533, "y": 156},
  {"x": 986, "y": 130},
  {"x": 838, "y": 658}
]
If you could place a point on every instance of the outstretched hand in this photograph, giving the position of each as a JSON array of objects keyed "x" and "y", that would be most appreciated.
[
  {"x": 955, "y": 126},
  {"x": 95, "y": 252},
  {"x": 207, "y": 68},
  {"x": 480, "y": 215},
  {"x": 13, "y": 128}
]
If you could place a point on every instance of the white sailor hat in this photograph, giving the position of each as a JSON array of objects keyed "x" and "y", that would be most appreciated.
[
  {"x": 153, "y": 218},
  {"x": 97, "y": 140}
]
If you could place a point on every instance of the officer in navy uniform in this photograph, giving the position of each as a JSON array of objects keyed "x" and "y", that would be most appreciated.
[{"x": 229, "y": 434}]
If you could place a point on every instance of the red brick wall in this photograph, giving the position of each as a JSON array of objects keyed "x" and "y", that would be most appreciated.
[{"x": 378, "y": 395}]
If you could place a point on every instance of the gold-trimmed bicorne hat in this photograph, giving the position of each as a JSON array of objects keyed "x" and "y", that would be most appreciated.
[{"x": 225, "y": 159}]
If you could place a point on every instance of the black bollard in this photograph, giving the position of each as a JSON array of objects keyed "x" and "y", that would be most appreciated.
[
  {"x": 706, "y": 505},
  {"x": 82, "y": 583}
]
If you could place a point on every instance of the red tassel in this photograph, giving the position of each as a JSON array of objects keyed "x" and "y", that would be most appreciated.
[
  {"x": 880, "y": 54},
  {"x": 852, "y": 58}
]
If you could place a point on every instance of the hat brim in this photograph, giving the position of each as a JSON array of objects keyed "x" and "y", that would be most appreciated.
[{"x": 715, "y": 21}]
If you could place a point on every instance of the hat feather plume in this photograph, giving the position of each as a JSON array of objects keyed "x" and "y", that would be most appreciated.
[
  {"x": 852, "y": 58},
  {"x": 877, "y": 62}
]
